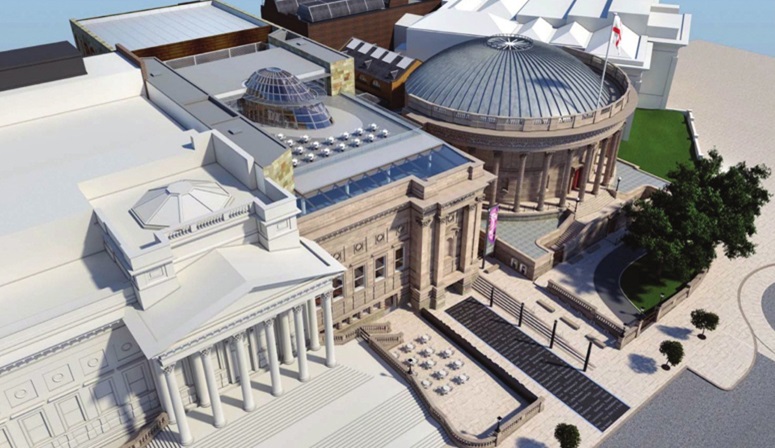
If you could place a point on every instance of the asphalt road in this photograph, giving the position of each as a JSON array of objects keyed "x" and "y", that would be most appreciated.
[{"x": 691, "y": 412}]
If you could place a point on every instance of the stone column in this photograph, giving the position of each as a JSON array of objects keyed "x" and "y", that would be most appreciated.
[
  {"x": 328, "y": 323},
  {"x": 566, "y": 178},
  {"x": 520, "y": 179},
  {"x": 261, "y": 337},
  {"x": 301, "y": 346},
  {"x": 219, "y": 420},
  {"x": 286, "y": 348},
  {"x": 274, "y": 363},
  {"x": 253, "y": 345},
  {"x": 600, "y": 167},
  {"x": 199, "y": 381},
  {"x": 496, "y": 168},
  {"x": 613, "y": 150},
  {"x": 177, "y": 405},
  {"x": 544, "y": 179},
  {"x": 470, "y": 233},
  {"x": 248, "y": 403},
  {"x": 314, "y": 333},
  {"x": 163, "y": 391},
  {"x": 585, "y": 172}
]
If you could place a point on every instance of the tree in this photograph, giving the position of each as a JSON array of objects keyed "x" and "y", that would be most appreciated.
[
  {"x": 704, "y": 320},
  {"x": 674, "y": 352},
  {"x": 567, "y": 435},
  {"x": 681, "y": 225}
]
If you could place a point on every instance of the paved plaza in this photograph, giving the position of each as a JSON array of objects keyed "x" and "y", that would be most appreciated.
[
  {"x": 592, "y": 402},
  {"x": 472, "y": 407}
]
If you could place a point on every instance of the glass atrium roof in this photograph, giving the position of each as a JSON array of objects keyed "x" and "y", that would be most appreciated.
[{"x": 423, "y": 165}]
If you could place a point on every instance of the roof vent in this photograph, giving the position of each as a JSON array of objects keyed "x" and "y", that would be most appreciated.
[{"x": 235, "y": 131}]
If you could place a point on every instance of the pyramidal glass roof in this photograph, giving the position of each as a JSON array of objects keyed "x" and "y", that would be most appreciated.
[{"x": 179, "y": 202}]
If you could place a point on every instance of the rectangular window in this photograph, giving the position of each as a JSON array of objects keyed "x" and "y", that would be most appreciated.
[
  {"x": 338, "y": 287},
  {"x": 400, "y": 259},
  {"x": 379, "y": 268},
  {"x": 359, "y": 277}
]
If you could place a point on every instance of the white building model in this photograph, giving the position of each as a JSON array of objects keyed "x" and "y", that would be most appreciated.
[
  {"x": 139, "y": 256},
  {"x": 652, "y": 33}
]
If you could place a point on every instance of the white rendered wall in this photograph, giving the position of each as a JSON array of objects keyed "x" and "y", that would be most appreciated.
[
  {"x": 110, "y": 78},
  {"x": 99, "y": 390}
]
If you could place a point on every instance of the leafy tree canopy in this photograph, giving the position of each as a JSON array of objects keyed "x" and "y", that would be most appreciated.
[
  {"x": 681, "y": 225},
  {"x": 673, "y": 350},
  {"x": 704, "y": 320},
  {"x": 567, "y": 435}
]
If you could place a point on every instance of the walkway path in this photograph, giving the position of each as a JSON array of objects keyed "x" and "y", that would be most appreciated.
[
  {"x": 574, "y": 388},
  {"x": 607, "y": 276}
]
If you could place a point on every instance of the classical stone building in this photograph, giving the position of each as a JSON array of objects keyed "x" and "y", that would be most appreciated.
[
  {"x": 170, "y": 247},
  {"x": 530, "y": 111}
]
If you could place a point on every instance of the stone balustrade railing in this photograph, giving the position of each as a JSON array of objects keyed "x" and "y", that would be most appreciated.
[{"x": 208, "y": 221}]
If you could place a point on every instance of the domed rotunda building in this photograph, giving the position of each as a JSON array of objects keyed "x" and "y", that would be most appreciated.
[{"x": 530, "y": 111}]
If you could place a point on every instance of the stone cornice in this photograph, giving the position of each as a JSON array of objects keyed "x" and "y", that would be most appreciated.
[
  {"x": 360, "y": 223},
  {"x": 223, "y": 331},
  {"x": 59, "y": 347}
]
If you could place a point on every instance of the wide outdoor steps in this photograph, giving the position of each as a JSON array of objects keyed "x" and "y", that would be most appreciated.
[
  {"x": 432, "y": 440},
  {"x": 569, "y": 385},
  {"x": 252, "y": 429},
  {"x": 378, "y": 427},
  {"x": 569, "y": 233},
  {"x": 165, "y": 439}
]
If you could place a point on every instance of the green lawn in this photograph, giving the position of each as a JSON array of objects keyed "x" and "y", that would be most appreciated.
[
  {"x": 659, "y": 140},
  {"x": 643, "y": 287}
]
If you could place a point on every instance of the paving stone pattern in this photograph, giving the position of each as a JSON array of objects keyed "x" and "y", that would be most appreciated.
[{"x": 572, "y": 387}]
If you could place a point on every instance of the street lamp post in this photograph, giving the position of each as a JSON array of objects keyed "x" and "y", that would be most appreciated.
[{"x": 618, "y": 181}]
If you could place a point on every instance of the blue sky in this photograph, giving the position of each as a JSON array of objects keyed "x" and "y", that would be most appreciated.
[{"x": 746, "y": 24}]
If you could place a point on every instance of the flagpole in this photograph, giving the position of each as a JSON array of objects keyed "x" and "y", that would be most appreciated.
[{"x": 605, "y": 64}]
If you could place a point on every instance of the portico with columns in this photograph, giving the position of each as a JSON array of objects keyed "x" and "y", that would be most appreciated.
[{"x": 250, "y": 336}]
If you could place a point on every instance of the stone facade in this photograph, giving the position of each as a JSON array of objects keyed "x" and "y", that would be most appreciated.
[{"x": 403, "y": 244}]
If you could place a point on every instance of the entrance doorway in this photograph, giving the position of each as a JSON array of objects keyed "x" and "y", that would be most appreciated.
[{"x": 575, "y": 179}]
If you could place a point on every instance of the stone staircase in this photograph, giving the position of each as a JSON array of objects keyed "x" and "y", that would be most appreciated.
[
  {"x": 378, "y": 427},
  {"x": 165, "y": 439},
  {"x": 432, "y": 440},
  {"x": 569, "y": 233},
  {"x": 284, "y": 411}
]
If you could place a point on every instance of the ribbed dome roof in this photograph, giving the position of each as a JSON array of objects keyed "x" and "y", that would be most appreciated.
[
  {"x": 510, "y": 76},
  {"x": 179, "y": 202}
]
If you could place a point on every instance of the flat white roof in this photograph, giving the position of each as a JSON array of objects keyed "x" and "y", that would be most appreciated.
[
  {"x": 225, "y": 76},
  {"x": 44, "y": 160},
  {"x": 154, "y": 27},
  {"x": 55, "y": 292}
]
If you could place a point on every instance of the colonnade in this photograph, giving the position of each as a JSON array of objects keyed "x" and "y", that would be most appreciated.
[
  {"x": 598, "y": 160},
  {"x": 204, "y": 374}
]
